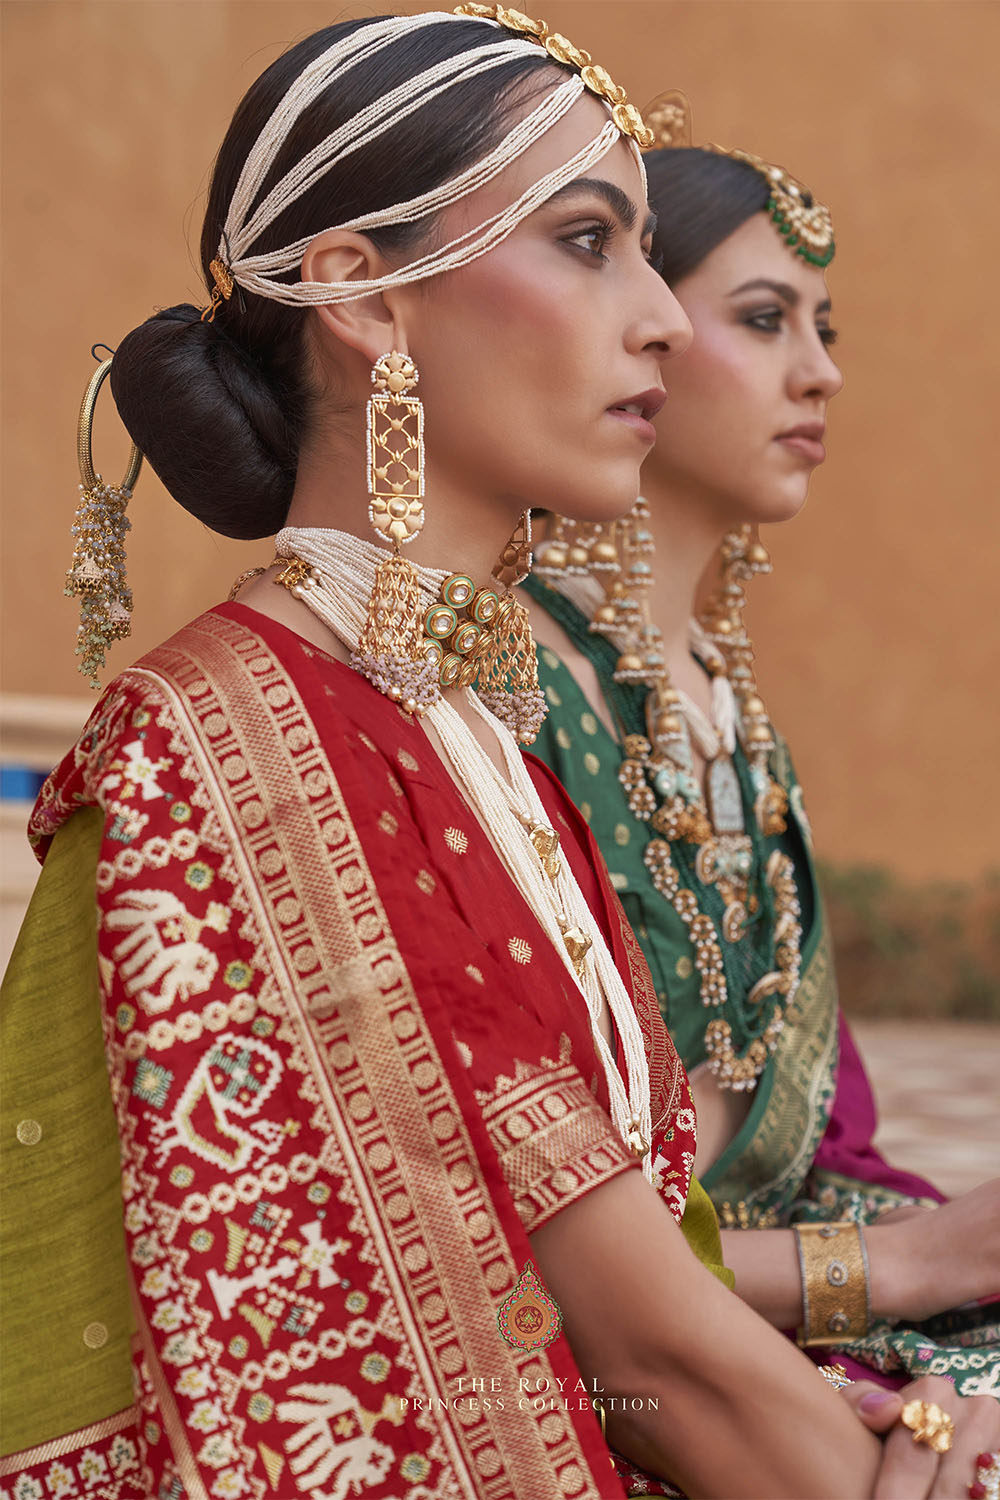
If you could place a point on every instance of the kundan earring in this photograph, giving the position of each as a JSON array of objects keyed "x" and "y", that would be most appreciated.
[
  {"x": 743, "y": 556},
  {"x": 508, "y": 672},
  {"x": 97, "y": 572},
  {"x": 389, "y": 651}
]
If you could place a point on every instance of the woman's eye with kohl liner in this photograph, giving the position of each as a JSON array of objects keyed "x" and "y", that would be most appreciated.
[
  {"x": 601, "y": 231},
  {"x": 769, "y": 321}
]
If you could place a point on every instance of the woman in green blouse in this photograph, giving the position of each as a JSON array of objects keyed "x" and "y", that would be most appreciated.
[{"x": 657, "y": 729}]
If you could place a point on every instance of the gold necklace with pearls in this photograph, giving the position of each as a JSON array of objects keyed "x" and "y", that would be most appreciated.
[
  {"x": 608, "y": 574},
  {"x": 331, "y": 572}
]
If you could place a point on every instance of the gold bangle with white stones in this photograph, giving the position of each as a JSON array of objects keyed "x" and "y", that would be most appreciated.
[{"x": 836, "y": 1287}]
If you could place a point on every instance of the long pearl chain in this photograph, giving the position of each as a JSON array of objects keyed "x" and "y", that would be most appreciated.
[{"x": 335, "y": 584}]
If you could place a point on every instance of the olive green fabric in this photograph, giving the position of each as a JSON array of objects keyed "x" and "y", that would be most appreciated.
[
  {"x": 701, "y": 1230},
  {"x": 65, "y": 1316}
]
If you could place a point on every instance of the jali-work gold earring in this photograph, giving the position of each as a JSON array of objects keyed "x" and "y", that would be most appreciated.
[{"x": 389, "y": 651}]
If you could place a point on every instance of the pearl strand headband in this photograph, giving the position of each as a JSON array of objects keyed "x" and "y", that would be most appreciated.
[
  {"x": 262, "y": 273},
  {"x": 341, "y": 568}
]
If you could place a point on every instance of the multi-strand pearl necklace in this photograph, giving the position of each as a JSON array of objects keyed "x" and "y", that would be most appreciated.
[{"x": 335, "y": 583}]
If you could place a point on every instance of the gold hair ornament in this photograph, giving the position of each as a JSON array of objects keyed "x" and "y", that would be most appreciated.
[
  {"x": 804, "y": 224},
  {"x": 560, "y": 50},
  {"x": 668, "y": 118},
  {"x": 97, "y": 572},
  {"x": 222, "y": 291}
]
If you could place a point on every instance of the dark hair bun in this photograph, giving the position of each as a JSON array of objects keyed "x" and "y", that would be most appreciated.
[
  {"x": 220, "y": 409},
  {"x": 209, "y": 421}
]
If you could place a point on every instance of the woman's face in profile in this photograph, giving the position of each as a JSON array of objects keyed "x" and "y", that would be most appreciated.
[
  {"x": 541, "y": 361},
  {"x": 742, "y": 430}
]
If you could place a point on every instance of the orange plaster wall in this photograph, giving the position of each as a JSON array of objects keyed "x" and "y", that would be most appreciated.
[{"x": 877, "y": 637}]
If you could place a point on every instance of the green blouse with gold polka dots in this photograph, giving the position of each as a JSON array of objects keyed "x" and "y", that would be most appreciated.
[
  {"x": 586, "y": 757},
  {"x": 784, "y": 1122}
]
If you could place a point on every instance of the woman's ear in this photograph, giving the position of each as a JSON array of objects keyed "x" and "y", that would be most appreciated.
[{"x": 370, "y": 325}]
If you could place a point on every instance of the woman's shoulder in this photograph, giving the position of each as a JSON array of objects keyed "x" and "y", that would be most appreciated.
[{"x": 228, "y": 693}]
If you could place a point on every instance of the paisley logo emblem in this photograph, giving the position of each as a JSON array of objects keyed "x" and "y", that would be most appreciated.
[{"x": 529, "y": 1318}]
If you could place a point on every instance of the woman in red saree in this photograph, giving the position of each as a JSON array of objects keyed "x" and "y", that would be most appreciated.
[{"x": 347, "y": 959}]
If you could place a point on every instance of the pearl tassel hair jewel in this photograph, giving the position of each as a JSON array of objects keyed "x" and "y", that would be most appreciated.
[{"x": 332, "y": 573}]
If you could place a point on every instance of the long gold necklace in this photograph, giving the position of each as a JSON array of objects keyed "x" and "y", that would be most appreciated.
[{"x": 658, "y": 777}]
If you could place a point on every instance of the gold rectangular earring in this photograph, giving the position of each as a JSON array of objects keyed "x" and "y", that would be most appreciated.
[{"x": 390, "y": 649}]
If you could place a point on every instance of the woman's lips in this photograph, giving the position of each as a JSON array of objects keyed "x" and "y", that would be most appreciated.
[
  {"x": 634, "y": 419},
  {"x": 806, "y": 439},
  {"x": 637, "y": 412},
  {"x": 811, "y": 449}
]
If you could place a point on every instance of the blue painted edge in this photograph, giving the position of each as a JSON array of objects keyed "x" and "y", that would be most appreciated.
[{"x": 20, "y": 783}]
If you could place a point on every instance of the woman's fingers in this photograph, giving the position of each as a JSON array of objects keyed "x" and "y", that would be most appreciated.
[
  {"x": 912, "y": 1470},
  {"x": 977, "y": 1431},
  {"x": 877, "y": 1408}
]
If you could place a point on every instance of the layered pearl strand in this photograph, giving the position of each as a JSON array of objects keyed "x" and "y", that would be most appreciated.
[{"x": 332, "y": 573}]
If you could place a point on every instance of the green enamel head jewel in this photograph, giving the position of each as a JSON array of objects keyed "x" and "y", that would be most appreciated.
[{"x": 804, "y": 224}]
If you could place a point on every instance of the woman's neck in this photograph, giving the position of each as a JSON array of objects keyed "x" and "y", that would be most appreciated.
[
  {"x": 462, "y": 532},
  {"x": 686, "y": 537}
]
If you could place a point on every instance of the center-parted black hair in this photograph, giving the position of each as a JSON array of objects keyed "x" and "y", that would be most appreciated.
[
  {"x": 700, "y": 198},
  {"x": 219, "y": 409}
]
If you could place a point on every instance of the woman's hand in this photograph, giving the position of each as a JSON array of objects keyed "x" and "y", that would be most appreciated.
[
  {"x": 913, "y": 1471},
  {"x": 926, "y": 1263}
]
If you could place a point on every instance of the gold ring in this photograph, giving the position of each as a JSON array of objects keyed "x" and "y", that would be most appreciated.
[
  {"x": 835, "y": 1375},
  {"x": 929, "y": 1424}
]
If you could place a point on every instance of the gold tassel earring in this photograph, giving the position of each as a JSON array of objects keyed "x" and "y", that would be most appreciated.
[
  {"x": 97, "y": 572},
  {"x": 743, "y": 556},
  {"x": 390, "y": 649},
  {"x": 508, "y": 669}
]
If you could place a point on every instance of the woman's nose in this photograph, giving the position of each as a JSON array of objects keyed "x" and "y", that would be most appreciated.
[{"x": 663, "y": 326}]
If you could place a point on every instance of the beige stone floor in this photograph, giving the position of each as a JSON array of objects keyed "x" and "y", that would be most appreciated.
[{"x": 938, "y": 1092}]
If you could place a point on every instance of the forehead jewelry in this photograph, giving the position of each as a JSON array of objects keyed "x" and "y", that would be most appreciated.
[
  {"x": 235, "y": 265},
  {"x": 804, "y": 224}
]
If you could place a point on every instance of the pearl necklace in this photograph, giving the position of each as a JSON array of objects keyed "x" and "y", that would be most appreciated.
[{"x": 332, "y": 573}]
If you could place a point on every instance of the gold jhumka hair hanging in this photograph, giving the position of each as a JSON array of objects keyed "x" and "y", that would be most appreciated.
[{"x": 97, "y": 572}]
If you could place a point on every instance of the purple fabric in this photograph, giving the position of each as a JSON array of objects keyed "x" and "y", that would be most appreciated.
[{"x": 847, "y": 1147}]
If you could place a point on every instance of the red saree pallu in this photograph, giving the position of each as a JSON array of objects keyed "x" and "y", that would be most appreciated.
[{"x": 351, "y": 1075}]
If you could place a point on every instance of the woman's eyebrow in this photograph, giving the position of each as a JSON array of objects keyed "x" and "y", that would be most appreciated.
[
  {"x": 780, "y": 289},
  {"x": 788, "y": 294},
  {"x": 617, "y": 200}
]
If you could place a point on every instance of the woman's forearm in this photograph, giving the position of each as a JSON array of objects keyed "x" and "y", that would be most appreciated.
[
  {"x": 724, "y": 1406},
  {"x": 770, "y": 1427},
  {"x": 905, "y": 1280},
  {"x": 765, "y": 1263}
]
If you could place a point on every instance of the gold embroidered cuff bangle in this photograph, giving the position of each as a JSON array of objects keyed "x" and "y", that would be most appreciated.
[{"x": 836, "y": 1287}]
